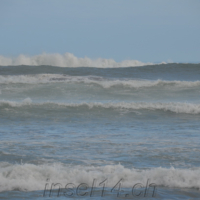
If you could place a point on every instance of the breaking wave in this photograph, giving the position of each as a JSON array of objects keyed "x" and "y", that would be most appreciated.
[
  {"x": 30, "y": 177},
  {"x": 176, "y": 107},
  {"x": 67, "y": 60},
  {"x": 106, "y": 83}
]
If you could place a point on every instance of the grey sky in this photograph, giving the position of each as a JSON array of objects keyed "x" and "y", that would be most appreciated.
[{"x": 145, "y": 30}]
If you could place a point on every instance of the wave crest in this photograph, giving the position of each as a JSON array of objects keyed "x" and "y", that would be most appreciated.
[
  {"x": 105, "y": 83},
  {"x": 187, "y": 108},
  {"x": 67, "y": 60},
  {"x": 32, "y": 177}
]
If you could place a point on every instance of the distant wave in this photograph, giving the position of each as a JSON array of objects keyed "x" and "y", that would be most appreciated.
[
  {"x": 186, "y": 108},
  {"x": 67, "y": 60},
  {"x": 30, "y": 177},
  {"x": 105, "y": 83}
]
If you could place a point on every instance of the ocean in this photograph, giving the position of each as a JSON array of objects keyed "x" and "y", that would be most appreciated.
[{"x": 94, "y": 133}]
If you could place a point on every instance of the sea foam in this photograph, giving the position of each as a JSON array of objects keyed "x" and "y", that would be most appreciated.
[
  {"x": 30, "y": 177},
  {"x": 67, "y": 60},
  {"x": 176, "y": 107},
  {"x": 105, "y": 83}
]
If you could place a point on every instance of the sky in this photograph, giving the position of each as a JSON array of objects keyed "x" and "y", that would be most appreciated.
[{"x": 144, "y": 30}]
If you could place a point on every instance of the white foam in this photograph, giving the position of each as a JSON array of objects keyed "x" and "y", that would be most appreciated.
[
  {"x": 33, "y": 177},
  {"x": 176, "y": 107},
  {"x": 67, "y": 60},
  {"x": 25, "y": 102},
  {"x": 105, "y": 83}
]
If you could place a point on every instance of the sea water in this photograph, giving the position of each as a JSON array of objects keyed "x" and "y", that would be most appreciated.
[{"x": 113, "y": 133}]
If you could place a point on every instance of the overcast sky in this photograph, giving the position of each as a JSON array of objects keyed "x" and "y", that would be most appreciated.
[{"x": 145, "y": 30}]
